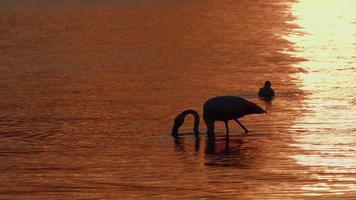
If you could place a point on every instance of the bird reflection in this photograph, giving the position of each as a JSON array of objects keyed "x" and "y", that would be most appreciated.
[
  {"x": 222, "y": 146},
  {"x": 228, "y": 152},
  {"x": 267, "y": 104},
  {"x": 222, "y": 151},
  {"x": 180, "y": 144}
]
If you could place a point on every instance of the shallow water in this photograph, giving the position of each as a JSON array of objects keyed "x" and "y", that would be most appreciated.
[{"x": 89, "y": 91}]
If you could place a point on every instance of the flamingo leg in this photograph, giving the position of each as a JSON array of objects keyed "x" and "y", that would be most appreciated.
[
  {"x": 211, "y": 126},
  {"x": 227, "y": 128},
  {"x": 246, "y": 131}
]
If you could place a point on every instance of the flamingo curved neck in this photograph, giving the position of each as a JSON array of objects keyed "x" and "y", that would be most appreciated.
[
  {"x": 180, "y": 120},
  {"x": 196, "y": 119}
]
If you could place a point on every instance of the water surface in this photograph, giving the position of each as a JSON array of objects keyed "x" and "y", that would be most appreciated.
[{"x": 89, "y": 91}]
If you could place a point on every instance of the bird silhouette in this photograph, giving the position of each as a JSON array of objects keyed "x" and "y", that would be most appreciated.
[
  {"x": 222, "y": 108},
  {"x": 266, "y": 92}
]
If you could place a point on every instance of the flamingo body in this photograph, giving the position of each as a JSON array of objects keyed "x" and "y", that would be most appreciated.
[
  {"x": 224, "y": 108},
  {"x": 221, "y": 108}
]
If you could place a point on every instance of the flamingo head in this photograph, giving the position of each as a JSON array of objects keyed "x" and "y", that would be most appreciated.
[
  {"x": 255, "y": 109},
  {"x": 178, "y": 122}
]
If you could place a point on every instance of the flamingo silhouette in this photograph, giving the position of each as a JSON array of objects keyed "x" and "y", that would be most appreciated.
[{"x": 222, "y": 108}]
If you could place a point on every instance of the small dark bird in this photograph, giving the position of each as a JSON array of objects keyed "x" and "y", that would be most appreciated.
[
  {"x": 266, "y": 92},
  {"x": 222, "y": 108}
]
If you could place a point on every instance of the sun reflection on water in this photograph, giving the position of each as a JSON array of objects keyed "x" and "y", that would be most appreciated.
[{"x": 326, "y": 40}]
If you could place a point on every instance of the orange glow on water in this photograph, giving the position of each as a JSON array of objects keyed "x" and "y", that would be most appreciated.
[{"x": 89, "y": 91}]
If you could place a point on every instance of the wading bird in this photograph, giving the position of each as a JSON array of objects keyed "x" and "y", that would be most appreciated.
[{"x": 222, "y": 108}]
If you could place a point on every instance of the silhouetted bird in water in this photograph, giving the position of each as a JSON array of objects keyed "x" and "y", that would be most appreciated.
[
  {"x": 266, "y": 92},
  {"x": 223, "y": 108}
]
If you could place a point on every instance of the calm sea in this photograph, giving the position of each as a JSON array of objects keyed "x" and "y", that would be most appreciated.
[{"x": 89, "y": 90}]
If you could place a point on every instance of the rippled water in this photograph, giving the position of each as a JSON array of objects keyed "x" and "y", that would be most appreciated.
[{"x": 89, "y": 91}]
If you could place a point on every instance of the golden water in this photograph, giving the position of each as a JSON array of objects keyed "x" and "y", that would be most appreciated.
[{"x": 89, "y": 91}]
